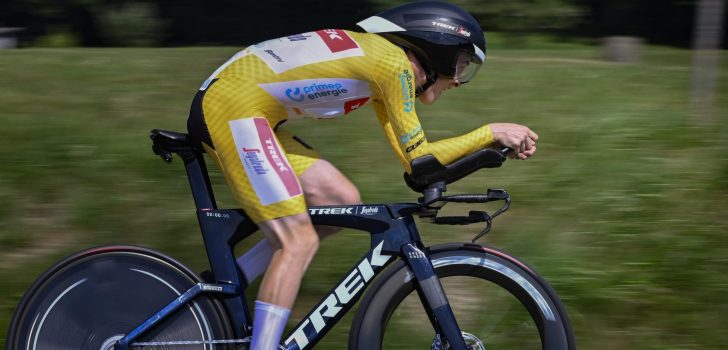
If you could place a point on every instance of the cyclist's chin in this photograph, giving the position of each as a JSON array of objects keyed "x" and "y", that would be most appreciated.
[{"x": 429, "y": 97}]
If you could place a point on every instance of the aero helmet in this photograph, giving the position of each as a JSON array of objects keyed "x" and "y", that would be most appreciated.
[{"x": 446, "y": 39}]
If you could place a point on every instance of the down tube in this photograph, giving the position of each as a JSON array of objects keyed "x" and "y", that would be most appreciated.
[{"x": 335, "y": 305}]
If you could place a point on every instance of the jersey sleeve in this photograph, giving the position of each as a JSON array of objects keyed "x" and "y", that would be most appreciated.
[{"x": 394, "y": 104}]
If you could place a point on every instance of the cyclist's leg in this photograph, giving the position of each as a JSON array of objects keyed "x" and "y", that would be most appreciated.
[
  {"x": 322, "y": 184},
  {"x": 266, "y": 186}
]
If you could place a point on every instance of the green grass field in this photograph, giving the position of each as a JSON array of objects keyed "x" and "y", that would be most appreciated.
[{"x": 623, "y": 209}]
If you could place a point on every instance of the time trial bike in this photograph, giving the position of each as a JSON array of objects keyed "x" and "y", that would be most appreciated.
[{"x": 449, "y": 296}]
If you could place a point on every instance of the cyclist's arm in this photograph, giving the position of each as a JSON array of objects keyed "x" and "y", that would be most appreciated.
[{"x": 396, "y": 114}]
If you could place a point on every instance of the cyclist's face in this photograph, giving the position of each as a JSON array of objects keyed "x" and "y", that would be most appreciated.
[
  {"x": 432, "y": 93},
  {"x": 435, "y": 90}
]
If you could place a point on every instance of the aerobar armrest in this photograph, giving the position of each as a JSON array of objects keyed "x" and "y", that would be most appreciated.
[{"x": 427, "y": 170}]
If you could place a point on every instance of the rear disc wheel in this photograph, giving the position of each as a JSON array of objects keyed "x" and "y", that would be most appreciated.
[{"x": 90, "y": 300}]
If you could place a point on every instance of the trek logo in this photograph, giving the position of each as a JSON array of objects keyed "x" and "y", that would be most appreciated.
[
  {"x": 369, "y": 211},
  {"x": 344, "y": 293},
  {"x": 315, "y": 91},
  {"x": 406, "y": 138},
  {"x": 460, "y": 30},
  {"x": 405, "y": 80},
  {"x": 274, "y": 156},
  {"x": 331, "y": 211},
  {"x": 337, "y": 40},
  {"x": 253, "y": 162}
]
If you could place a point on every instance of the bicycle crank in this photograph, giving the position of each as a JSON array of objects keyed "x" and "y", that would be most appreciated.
[{"x": 472, "y": 342}]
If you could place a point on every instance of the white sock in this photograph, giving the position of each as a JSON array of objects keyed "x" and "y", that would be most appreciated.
[
  {"x": 255, "y": 261},
  {"x": 268, "y": 325}
]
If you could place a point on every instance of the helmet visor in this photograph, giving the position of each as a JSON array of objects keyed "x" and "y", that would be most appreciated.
[{"x": 467, "y": 65}]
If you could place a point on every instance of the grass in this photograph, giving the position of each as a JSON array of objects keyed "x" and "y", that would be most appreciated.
[{"x": 622, "y": 209}]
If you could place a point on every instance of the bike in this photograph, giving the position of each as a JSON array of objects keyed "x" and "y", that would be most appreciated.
[{"x": 126, "y": 297}]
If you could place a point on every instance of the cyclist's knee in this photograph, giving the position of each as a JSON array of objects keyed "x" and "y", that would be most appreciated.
[
  {"x": 294, "y": 234},
  {"x": 303, "y": 245}
]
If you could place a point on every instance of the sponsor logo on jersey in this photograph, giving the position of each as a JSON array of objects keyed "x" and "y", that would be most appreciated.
[
  {"x": 251, "y": 159},
  {"x": 335, "y": 302},
  {"x": 270, "y": 174},
  {"x": 417, "y": 144},
  {"x": 273, "y": 54},
  {"x": 298, "y": 50},
  {"x": 298, "y": 37},
  {"x": 320, "y": 98},
  {"x": 337, "y": 40},
  {"x": 405, "y": 81},
  {"x": 295, "y": 94},
  {"x": 406, "y": 138},
  {"x": 355, "y": 104},
  {"x": 315, "y": 91}
]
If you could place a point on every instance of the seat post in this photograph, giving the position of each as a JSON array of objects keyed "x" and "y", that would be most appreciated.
[{"x": 199, "y": 180}]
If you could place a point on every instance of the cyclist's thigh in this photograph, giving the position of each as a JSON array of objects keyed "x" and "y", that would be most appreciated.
[
  {"x": 322, "y": 183},
  {"x": 248, "y": 152}
]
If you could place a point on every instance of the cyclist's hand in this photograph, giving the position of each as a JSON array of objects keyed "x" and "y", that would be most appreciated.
[{"x": 519, "y": 138}]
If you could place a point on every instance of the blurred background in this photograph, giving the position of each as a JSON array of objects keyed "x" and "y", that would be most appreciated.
[{"x": 623, "y": 209}]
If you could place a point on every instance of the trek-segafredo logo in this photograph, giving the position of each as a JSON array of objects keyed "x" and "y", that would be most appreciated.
[
  {"x": 344, "y": 293},
  {"x": 405, "y": 80},
  {"x": 460, "y": 30},
  {"x": 315, "y": 91}
]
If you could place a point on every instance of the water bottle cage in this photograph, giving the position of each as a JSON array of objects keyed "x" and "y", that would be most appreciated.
[{"x": 430, "y": 208}]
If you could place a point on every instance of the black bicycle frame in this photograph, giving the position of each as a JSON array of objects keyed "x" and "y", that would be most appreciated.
[{"x": 392, "y": 235}]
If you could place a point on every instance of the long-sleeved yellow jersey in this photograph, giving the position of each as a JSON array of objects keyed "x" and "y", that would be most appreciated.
[{"x": 322, "y": 74}]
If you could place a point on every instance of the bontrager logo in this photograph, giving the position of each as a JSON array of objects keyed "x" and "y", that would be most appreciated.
[{"x": 336, "y": 300}]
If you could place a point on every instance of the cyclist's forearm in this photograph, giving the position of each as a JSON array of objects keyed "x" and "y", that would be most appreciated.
[{"x": 448, "y": 150}]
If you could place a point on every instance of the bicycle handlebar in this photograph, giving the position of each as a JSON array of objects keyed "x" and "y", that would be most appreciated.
[{"x": 427, "y": 170}]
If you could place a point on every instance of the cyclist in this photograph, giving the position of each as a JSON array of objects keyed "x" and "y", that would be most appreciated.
[{"x": 413, "y": 51}]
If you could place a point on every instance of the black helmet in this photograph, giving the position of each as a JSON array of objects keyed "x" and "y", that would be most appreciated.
[{"x": 446, "y": 39}]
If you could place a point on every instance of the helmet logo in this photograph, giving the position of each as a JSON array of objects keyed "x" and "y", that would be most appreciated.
[
  {"x": 460, "y": 30},
  {"x": 464, "y": 32}
]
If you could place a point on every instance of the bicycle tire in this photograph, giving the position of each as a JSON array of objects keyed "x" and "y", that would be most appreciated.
[
  {"x": 92, "y": 298},
  {"x": 503, "y": 283}
]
